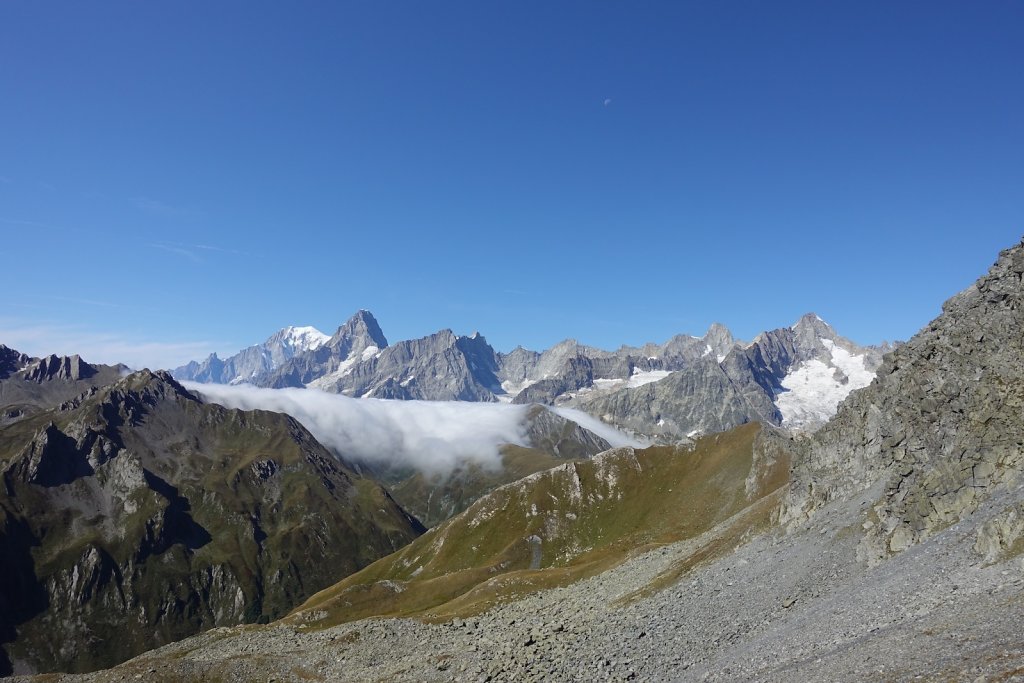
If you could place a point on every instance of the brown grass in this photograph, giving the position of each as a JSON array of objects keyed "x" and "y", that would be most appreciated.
[{"x": 481, "y": 557}]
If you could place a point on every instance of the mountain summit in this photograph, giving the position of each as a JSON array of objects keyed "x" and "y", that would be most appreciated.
[
  {"x": 358, "y": 339},
  {"x": 255, "y": 362}
]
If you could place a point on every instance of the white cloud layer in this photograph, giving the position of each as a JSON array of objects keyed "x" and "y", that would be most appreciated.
[
  {"x": 610, "y": 434},
  {"x": 432, "y": 436}
]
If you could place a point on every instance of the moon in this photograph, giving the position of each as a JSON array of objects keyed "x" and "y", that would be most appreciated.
[{"x": 607, "y": 101}]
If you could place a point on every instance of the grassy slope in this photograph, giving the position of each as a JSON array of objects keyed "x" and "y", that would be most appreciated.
[
  {"x": 585, "y": 517},
  {"x": 435, "y": 498},
  {"x": 553, "y": 441}
]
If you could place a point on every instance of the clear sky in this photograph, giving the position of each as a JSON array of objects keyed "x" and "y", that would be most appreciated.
[{"x": 181, "y": 177}]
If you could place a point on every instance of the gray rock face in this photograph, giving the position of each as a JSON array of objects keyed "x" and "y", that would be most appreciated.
[
  {"x": 702, "y": 398},
  {"x": 61, "y": 368},
  {"x": 441, "y": 367},
  {"x": 569, "y": 367},
  {"x": 939, "y": 428},
  {"x": 575, "y": 373},
  {"x": 517, "y": 365},
  {"x": 11, "y": 361},
  {"x": 715, "y": 392},
  {"x": 359, "y": 339}
]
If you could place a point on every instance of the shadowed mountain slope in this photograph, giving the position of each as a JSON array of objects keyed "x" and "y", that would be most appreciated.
[{"x": 138, "y": 515}]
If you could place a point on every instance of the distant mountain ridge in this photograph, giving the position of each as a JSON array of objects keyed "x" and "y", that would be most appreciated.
[
  {"x": 253, "y": 363},
  {"x": 793, "y": 377}
]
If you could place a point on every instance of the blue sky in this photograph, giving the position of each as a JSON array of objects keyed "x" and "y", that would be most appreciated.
[{"x": 183, "y": 177}]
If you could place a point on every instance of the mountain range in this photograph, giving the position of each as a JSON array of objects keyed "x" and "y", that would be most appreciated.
[
  {"x": 793, "y": 377},
  {"x": 830, "y": 514}
]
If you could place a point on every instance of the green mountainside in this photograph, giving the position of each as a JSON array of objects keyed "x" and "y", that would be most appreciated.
[
  {"x": 432, "y": 498},
  {"x": 557, "y": 526}
]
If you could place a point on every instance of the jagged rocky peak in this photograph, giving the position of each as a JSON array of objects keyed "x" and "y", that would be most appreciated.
[
  {"x": 719, "y": 339},
  {"x": 939, "y": 430},
  {"x": 59, "y": 368},
  {"x": 720, "y": 333},
  {"x": 809, "y": 332},
  {"x": 358, "y": 333},
  {"x": 161, "y": 381},
  {"x": 11, "y": 361},
  {"x": 812, "y": 324},
  {"x": 442, "y": 366}
]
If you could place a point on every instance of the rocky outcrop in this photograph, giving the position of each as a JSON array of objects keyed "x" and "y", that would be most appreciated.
[
  {"x": 140, "y": 515},
  {"x": 60, "y": 368},
  {"x": 441, "y": 367},
  {"x": 29, "y": 385},
  {"x": 11, "y": 361},
  {"x": 939, "y": 430}
]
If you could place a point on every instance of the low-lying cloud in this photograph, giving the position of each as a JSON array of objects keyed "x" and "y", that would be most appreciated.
[
  {"x": 431, "y": 436},
  {"x": 610, "y": 434}
]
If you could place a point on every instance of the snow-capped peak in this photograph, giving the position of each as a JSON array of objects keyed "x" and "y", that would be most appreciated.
[{"x": 303, "y": 338}]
